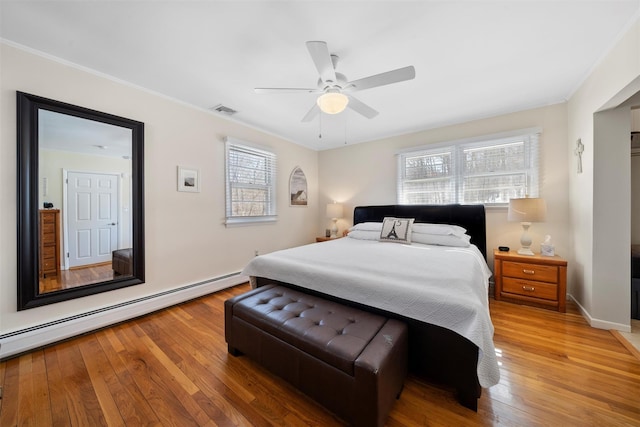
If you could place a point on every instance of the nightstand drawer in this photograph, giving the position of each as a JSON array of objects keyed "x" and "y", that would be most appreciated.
[
  {"x": 538, "y": 272},
  {"x": 530, "y": 288}
]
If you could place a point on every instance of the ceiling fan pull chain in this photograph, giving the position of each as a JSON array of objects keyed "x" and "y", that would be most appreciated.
[
  {"x": 345, "y": 128},
  {"x": 320, "y": 126}
]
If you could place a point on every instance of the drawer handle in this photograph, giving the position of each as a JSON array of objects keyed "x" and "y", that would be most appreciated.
[
  {"x": 529, "y": 271},
  {"x": 528, "y": 288}
]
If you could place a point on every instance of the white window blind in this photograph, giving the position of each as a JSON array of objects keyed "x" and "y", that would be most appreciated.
[
  {"x": 489, "y": 170},
  {"x": 250, "y": 183}
]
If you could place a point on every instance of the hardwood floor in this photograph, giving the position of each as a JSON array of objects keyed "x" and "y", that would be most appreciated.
[
  {"x": 80, "y": 276},
  {"x": 171, "y": 368}
]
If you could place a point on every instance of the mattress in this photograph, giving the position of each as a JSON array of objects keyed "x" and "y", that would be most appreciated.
[{"x": 440, "y": 285}]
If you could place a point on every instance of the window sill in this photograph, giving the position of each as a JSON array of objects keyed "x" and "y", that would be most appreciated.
[
  {"x": 244, "y": 221},
  {"x": 497, "y": 206}
]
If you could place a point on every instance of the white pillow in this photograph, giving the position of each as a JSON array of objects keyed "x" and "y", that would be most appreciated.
[
  {"x": 442, "y": 240},
  {"x": 364, "y": 234},
  {"x": 367, "y": 226},
  {"x": 440, "y": 229},
  {"x": 396, "y": 230}
]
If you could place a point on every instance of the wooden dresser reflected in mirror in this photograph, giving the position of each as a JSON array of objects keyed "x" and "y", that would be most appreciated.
[{"x": 49, "y": 243}]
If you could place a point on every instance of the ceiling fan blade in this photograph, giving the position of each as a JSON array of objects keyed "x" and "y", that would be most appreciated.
[
  {"x": 322, "y": 59},
  {"x": 360, "y": 107},
  {"x": 312, "y": 113},
  {"x": 285, "y": 90},
  {"x": 394, "y": 76}
]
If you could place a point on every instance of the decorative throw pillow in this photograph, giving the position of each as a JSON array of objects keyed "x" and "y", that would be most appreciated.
[{"x": 396, "y": 230}]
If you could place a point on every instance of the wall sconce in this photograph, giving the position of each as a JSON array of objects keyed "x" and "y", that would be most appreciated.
[
  {"x": 527, "y": 210},
  {"x": 334, "y": 211}
]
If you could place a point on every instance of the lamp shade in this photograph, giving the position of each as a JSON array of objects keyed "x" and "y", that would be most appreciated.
[
  {"x": 332, "y": 102},
  {"x": 334, "y": 210},
  {"x": 527, "y": 209}
]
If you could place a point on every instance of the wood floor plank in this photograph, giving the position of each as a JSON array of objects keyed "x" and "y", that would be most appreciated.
[
  {"x": 41, "y": 399},
  {"x": 147, "y": 374},
  {"x": 55, "y": 382},
  {"x": 11, "y": 393},
  {"x": 132, "y": 404},
  {"x": 80, "y": 396},
  {"x": 171, "y": 368},
  {"x": 101, "y": 375}
]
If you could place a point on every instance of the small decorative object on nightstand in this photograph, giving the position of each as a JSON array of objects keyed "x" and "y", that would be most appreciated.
[
  {"x": 535, "y": 280},
  {"x": 546, "y": 247}
]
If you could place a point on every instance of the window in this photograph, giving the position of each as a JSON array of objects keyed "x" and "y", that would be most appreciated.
[
  {"x": 488, "y": 170},
  {"x": 251, "y": 183}
]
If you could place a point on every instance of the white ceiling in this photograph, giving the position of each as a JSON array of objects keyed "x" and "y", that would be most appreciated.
[
  {"x": 63, "y": 132},
  {"x": 473, "y": 59}
]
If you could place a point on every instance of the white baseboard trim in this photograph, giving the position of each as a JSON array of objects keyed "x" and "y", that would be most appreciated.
[
  {"x": 18, "y": 342},
  {"x": 597, "y": 323}
]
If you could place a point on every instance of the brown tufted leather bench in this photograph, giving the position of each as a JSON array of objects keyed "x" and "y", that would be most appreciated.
[
  {"x": 121, "y": 261},
  {"x": 351, "y": 361}
]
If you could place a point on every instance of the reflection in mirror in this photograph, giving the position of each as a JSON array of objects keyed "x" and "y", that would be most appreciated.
[
  {"x": 85, "y": 179},
  {"x": 80, "y": 201}
]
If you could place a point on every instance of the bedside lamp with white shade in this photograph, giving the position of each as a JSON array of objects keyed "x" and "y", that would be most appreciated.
[
  {"x": 527, "y": 210},
  {"x": 334, "y": 211}
]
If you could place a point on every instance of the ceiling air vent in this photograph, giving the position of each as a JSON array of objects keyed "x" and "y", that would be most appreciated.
[{"x": 224, "y": 110}]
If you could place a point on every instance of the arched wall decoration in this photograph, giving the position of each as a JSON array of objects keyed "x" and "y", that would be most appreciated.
[{"x": 298, "y": 188}]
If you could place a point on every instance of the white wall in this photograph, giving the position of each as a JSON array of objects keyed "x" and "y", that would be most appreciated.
[
  {"x": 611, "y": 245},
  {"x": 365, "y": 174},
  {"x": 186, "y": 241},
  {"x": 600, "y": 197}
]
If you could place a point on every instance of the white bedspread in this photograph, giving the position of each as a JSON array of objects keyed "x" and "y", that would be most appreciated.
[{"x": 440, "y": 285}]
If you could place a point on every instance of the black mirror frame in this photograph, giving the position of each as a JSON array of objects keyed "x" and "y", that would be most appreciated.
[{"x": 27, "y": 201}]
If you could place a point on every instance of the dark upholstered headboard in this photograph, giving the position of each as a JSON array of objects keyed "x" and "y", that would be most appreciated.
[{"x": 471, "y": 217}]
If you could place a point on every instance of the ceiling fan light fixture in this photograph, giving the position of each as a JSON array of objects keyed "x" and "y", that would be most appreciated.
[{"x": 332, "y": 102}]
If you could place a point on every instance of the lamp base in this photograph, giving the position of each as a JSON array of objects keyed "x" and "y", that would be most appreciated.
[
  {"x": 525, "y": 251},
  {"x": 525, "y": 240},
  {"x": 334, "y": 228}
]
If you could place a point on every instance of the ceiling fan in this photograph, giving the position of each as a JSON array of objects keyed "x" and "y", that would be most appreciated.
[{"x": 336, "y": 89}]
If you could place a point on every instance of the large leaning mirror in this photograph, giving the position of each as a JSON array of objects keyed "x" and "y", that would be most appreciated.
[{"x": 80, "y": 201}]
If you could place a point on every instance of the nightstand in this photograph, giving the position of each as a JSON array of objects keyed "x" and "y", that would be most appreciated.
[
  {"x": 535, "y": 280},
  {"x": 325, "y": 239}
]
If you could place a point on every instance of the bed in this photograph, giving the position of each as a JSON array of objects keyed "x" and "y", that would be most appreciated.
[{"x": 444, "y": 304}]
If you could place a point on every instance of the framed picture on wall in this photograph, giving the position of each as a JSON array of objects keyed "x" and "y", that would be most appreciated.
[
  {"x": 298, "y": 187},
  {"x": 188, "y": 179}
]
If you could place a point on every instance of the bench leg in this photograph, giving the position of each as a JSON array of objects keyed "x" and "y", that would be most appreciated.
[
  {"x": 468, "y": 400},
  {"x": 233, "y": 351},
  {"x": 400, "y": 392}
]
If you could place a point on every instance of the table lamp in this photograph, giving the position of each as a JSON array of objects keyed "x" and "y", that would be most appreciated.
[
  {"x": 334, "y": 211},
  {"x": 527, "y": 210}
]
